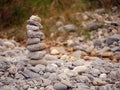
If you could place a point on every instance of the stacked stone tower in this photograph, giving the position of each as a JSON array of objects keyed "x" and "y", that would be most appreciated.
[{"x": 35, "y": 36}]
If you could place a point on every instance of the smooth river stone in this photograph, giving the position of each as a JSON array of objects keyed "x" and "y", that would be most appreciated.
[
  {"x": 31, "y": 22},
  {"x": 31, "y": 41},
  {"x": 36, "y": 47},
  {"x": 36, "y": 55},
  {"x": 32, "y": 27},
  {"x": 35, "y": 34},
  {"x": 60, "y": 86}
]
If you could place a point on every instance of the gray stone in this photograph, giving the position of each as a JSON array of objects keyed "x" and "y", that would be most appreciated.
[
  {"x": 113, "y": 75},
  {"x": 115, "y": 49},
  {"x": 31, "y": 89},
  {"x": 92, "y": 26},
  {"x": 82, "y": 86},
  {"x": 99, "y": 82},
  {"x": 19, "y": 76},
  {"x": 50, "y": 87},
  {"x": 80, "y": 69},
  {"x": 36, "y": 47},
  {"x": 46, "y": 82},
  {"x": 31, "y": 74},
  {"x": 95, "y": 72},
  {"x": 2, "y": 48},
  {"x": 117, "y": 85},
  {"x": 32, "y": 27},
  {"x": 60, "y": 86},
  {"x": 9, "y": 44},
  {"x": 33, "y": 41},
  {"x": 68, "y": 27},
  {"x": 63, "y": 76},
  {"x": 97, "y": 42},
  {"x": 13, "y": 69},
  {"x": 36, "y": 55},
  {"x": 47, "y": 75},
  {"x": 34, "y": 23},
  {"x": 82, "y": 79},
  {"x": 109, "y": 87},
  {"x": 98, "y": 63},
  {"x": 111, "y": 40},
  {"x": 36, "y": 62},
  {"x": 53, "y": 76},
  {"x": 40, "y": 67},
  {"x": 9, "y": 53},
  {"x": 103, "y": 88},
  {"x": 34, "y": 69},
  {"x": 50, "y": 57},
  {"x": 78, "y": 63},
  {"x": 114, "y": 9},
  {"x": 72, "y": 73},
  {"x": 51, "y": 68},
  {"x": 118, "y": 74},
  {"x": 35, "y": 34},
  {"x": 77, "y": 54},
  {"x": 103, "y": 76},
  {"x": 100, "y": 11},
  {"x": 92, "y": 88},
  {"x": 14, "y": 88}
]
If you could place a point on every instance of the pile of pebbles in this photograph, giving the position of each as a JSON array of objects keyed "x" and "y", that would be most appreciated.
[
  {"x": 35, "y": 37},
  {"x": 104, "y": 36},
  {"x": 18, "y": 72},
  {"x": 77, "y": 75}
]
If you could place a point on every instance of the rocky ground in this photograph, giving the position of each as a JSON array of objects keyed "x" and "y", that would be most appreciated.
[{"x": 75, "y": 64}]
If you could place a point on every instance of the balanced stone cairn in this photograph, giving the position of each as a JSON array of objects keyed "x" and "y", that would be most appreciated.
[{"x": 35, "y": 36}]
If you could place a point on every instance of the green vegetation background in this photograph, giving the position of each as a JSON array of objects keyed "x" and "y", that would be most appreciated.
[{"x": 14, "y": 13}]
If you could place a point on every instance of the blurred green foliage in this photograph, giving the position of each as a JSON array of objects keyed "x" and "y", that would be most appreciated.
[{"x": 15, "y": 12}]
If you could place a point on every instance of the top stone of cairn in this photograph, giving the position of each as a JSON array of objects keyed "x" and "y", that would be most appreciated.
[
  {"x": 35, "y": 18},
  {"x": 34, "y": 23}
]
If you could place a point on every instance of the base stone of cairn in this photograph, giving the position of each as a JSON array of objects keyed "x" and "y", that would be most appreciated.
[{"x": 35, "y": 36}]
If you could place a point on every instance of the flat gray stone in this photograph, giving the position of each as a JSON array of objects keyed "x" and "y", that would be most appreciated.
[
  {"x": 32, "y": 27},
  {"x": 111, "y": 40},
  {"x": 77, "y": 54},
  {"x": 60, "y": 86},
  {"x": 31, "y": 74},
  {"x": 68, "y": 28},
  {"x": 100, "y": 11},
  {"x": 31, "y": 41},
  {"x": 103, "y": 88},
  {"x": 36, "y": 55},
  {"x": 50, "y": 57},
  {"x": 82, "y": 86},
  {"x": 51, "y": 68},
  {"x": 92, "y": 26},
  {"x": 35, "y": 34},
  {"x": 34, "y": 23},
  {"x": 36, "y": 47}
]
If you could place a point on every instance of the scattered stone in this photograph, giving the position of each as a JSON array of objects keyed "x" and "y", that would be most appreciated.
[
  {"x": 33, "y": 41},
  {"x": 9, "y": 44},
  {"x": 92, "y": 26},
  {"x": 99, "y": 82},
  {"x": 54, "y": 52},
  {"x": 68, "y": 28},
  {"x": 77, "y": 54},
  {"x": 100, "y": 11},
  {"x": 31, "y": 74},
  {"x": 60, "y": 86},
  {"x": 36, "y": 55},
  {"x": 103, "y": 76},
  {"x": 80, "y": 69}
]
